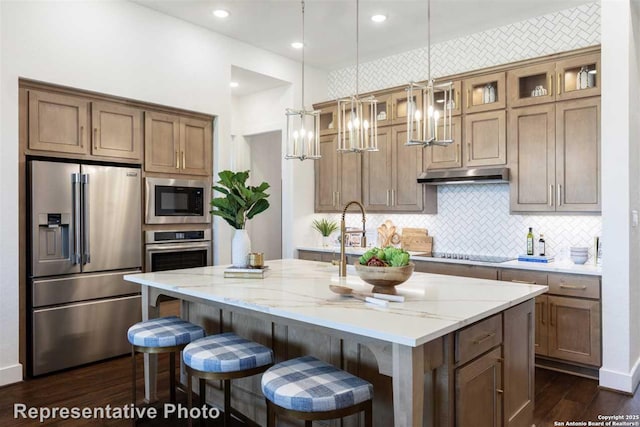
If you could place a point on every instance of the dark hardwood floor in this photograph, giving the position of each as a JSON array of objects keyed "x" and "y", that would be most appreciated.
[{"x": 559, "y": 397}]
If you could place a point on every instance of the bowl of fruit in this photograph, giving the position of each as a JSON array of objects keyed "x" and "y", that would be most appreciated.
[{"x": 384, "y": 268}]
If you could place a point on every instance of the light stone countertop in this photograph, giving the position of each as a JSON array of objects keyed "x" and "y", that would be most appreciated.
[
  {"x": 294, "y": 289},
  {"x": 553, "y": 267}
]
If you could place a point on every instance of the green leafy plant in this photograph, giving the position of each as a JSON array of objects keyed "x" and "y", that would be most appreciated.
[
  {"x": 240, "y": 202},
  {"x": 325, "y": 226},
  {"x": 387, "y": 257}
]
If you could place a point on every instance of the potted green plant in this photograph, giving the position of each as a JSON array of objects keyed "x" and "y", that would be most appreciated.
[
  {"x": 326, "y": 227},
  {"x": 240, "y": 203}
]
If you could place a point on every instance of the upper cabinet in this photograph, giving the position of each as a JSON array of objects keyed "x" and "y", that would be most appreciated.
[
  {"x": 447, "y": 156},
  {"x": 338, "y": 176},
  {"x": 58, "y": 123},
  {"x": 571, "y": 78},
  {"x": 117, "y": 131},
  {"x": 484, "y": 93},
  {"x": 328, "y": 118},
  {"x": 452, "y": 104},
  {"x": 486, "y": 138},
  {"x": 178, "y": 145},
  {"x": 401, "y": 105}
]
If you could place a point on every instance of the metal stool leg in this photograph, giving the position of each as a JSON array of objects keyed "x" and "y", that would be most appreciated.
[
  {"x": 368, "y": 415},
  {"x": 227, "y": 403},
  {"x": 271, "y": 415},
  {"x": 133, "y": 384},
  {"x": 308, "y": 423},
  {"x": 172, "y": 377},
  {"x": 203, "y": 397},
  {"x": 189, "y": 397}
]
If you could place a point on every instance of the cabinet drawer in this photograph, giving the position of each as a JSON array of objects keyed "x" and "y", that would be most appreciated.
[
  {"x": 478, "y": 338},
  {"x": 310, "y": 255},
  {"x": 524, "y": 276},
  {"x": 463, "y": 270},
  {"x": 574, "y": 286}
]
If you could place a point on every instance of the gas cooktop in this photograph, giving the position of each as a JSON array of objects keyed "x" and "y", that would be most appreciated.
[{"x": 471, "y": 257}]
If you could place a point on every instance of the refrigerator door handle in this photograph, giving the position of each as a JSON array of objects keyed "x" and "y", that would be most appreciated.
[
  {"x": 76, "y": 257},
  {"x": 85, "y": 219}
]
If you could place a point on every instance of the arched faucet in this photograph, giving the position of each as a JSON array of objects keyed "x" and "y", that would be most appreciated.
[{"x": 343, "y": 231}]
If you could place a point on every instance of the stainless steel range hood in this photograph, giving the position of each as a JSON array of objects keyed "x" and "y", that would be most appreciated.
[{"x": 466, "y": 176}]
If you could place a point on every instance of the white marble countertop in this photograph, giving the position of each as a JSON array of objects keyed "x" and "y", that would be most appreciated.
[
  {"x": 435, "y": 305},
  {"x": 552, "y": 267}
]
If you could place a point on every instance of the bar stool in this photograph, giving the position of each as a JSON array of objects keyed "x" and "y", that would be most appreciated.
[
  {"x": 223, "y": 357},
  {"x": 161, "y": 335},
  {"x": 309, "y": 389}
]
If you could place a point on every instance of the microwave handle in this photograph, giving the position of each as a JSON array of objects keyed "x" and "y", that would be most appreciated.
[{"x": 85, "y": 219}]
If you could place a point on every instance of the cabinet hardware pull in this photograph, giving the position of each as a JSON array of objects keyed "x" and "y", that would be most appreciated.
[
  {"x": 468, "y": 98},
  {"x": 483, "y": 339},
  {"x": 388, "y": 197},
  {"x": 523, "y": 281},
  {"x": 550, "y": 194},
  {"x": 177, "y": 160},
  {"x": 393, "y": 197},
  {"x": 333, "y": 198},
  {"x": 95, "y": 138},
  {"x": 457, "y": 101},
  {"x": 81, "y": 136},
  {"x": 559, "y": 195},
  {"x": 579, "y": 288},
  {"x": 551, "y": 314},
  {"x": 468, "y": 151},
  {"x": 499, "y": 391},
  {"x": 559, "y": 82},
  {"x": 550, "y": 84},
  {"x": 542, "y": 317},
  {"x": 338, "y": 198},
  {"x": 457, "y": 153},
  {"x": 184, "y": 163}
]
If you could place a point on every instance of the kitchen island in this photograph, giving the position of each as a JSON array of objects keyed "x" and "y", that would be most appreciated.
[{"x": 450, "y": 331}]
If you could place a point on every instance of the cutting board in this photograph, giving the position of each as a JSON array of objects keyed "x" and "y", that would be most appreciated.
[{"x": 417, "y": 239}]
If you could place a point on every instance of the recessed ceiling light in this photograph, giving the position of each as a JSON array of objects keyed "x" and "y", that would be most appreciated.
[
  {"x": 221, "y": 13},
  {"x": 234, "y": 84},
  {"x": 379, "y": 18},
  {"x": 297, "y": 45}
]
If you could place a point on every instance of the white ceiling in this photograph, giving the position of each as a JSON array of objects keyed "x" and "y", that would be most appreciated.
[{"x": 330, "y": 24}]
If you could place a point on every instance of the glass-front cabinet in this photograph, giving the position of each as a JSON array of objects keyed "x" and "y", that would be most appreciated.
[
  {"x": 454, "y": 103},
  {"x": 329, "y": 118},
  {"x": 401, "y": 107},
  {"x": 531, "y": 85},
  {"x": 578, "y": 77},
  {"x": 484, "y": 93}
]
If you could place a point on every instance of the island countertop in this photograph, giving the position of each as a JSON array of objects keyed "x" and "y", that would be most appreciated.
[{"x": 294, "y": 289}]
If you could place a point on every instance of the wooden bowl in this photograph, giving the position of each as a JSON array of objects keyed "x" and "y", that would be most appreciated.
[{"x": 384, "y": 278}]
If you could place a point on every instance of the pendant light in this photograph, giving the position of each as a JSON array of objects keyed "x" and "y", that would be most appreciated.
[
  {"x": 357, "y": 117},
  {"x": 423, "y": 121},
  {"x": 303, "y": 126}
]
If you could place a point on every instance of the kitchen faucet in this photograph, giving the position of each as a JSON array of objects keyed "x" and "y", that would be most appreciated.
[{"x": 343, "y": 231}]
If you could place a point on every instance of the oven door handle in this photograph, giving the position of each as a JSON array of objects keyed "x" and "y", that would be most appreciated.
[{"x": 160, "y": 247}]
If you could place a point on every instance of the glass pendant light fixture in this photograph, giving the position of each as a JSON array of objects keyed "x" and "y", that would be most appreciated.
[
  {"x": 357, "y": 116},
  {"x": 426, "y": 124},
  {"x": 303, "y": 126}
]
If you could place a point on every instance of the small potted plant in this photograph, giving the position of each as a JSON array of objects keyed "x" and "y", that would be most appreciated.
[
  {"x": 326, "y": 227},
  {"x": 239, "y": 204}
]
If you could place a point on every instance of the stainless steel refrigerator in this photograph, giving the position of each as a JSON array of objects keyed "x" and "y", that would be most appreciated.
[{"x": 85, "y": 235}]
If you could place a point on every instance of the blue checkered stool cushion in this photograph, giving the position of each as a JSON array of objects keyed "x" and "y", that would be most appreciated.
[
  {"x": 307, "y": 384},
  {"x": 164, "y": 332},
  {"x": 226, "y": 353}
]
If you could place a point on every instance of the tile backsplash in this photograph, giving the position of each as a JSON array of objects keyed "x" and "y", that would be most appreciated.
[{"x": 475, "y": 219}]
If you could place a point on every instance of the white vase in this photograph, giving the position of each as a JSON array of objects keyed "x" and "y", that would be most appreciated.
[
  {"x": 326, "y": 241},
  {"x": 240, "y": 248}
]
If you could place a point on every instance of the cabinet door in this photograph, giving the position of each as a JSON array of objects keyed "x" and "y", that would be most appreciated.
[
  {"x": 376, "y": 174},
  {"x": 570, "y": 85},
  {"x": 532, "y": 157},
  {"x": 117, "y": 131},
  {"x": 476, "y": 90},
  {"x": 578, "y": 155},
  {"x": 574, "y": 330},
  {"x": 400, "y": 107},
  {"x": 58, "y": 123},
  {"x": 478, "y": 400},
  {"x": 462, "y": 270},
  {"x": 454, "y": 104},
  {"x": 195, "y": 146},
  {"x": 531, "y": 85},
  {"x": 486, "y": 138},
  {"x": 328, "y": 119},
  {"x": 542, "y": 328},
  {"x": 161, "y": 142},
  {"x": 383, "y": 108},
  {"x": 326, "y": 175},
  {"x": 444, "y": 157},
  {"x": 519, "y": 365},
  {"x": 406, "y": 193},
  {"x": 349, "y": 178}
]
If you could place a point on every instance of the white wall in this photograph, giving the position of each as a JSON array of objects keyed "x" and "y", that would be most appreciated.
[
  {"x": 123, "y": 49},
  {"x": 620, "y": 278}
]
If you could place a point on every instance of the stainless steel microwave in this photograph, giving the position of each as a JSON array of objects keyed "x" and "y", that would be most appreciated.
[{"x": 177, "y": 201}]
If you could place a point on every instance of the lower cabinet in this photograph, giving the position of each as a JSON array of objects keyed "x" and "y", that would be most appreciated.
[
  {"x": 317, "y": 256},
  {"x": 462, "y": 270}
]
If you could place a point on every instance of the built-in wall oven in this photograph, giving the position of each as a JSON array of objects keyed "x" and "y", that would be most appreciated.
[
  {"x": 176, "y": 201},
  {"x": 174, "y": 249}
]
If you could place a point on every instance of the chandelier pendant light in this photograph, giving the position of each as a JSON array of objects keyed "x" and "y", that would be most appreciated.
[
  {"x": 428, "y": 124},
  {"x": 303, "y": 126},
  {"x": 357, "y": 116}
]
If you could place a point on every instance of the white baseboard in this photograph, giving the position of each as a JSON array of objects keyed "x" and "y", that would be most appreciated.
[
  {"x": 623, "y": 381},
  {"x": 10, "y": 374}
]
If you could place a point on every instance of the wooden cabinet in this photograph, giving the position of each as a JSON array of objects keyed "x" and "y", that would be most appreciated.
[
  {"x": 485, "y": 138},
  {"x": 390, "y": 176},
  {"x": 449, "y": 156},
  {"x": 383, "y": 108},
  {"x": 554, "y": 151},
  {"x": 554, "y": 81},
  {"x": 317, "y": 256},
  {"x": 177, "y": 145},
  {"x": 542, "y": 331},
  {"x": 454, "y": 104},
  {"x": 117, "y": 131},
  {"x": 328, "y": 118},
  {"x": 453, "y": 269},
  {"x": 58, "y": 123},
  {"x": 400, "y": 106},
  {"x": 338, "y": 177},
  {"x": 477, "y": 89}
]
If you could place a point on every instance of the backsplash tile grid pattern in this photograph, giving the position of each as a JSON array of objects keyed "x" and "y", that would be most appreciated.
[{"x": 556, "y": 32}]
